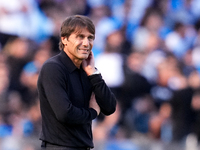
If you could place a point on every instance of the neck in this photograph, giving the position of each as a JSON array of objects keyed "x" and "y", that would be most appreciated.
[{"x": 77, "y": 62}]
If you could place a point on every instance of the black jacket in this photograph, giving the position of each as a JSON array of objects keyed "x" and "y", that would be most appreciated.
[{"x": 64, "y": 93}]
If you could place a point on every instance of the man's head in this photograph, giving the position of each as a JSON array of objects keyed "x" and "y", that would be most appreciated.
[{"x": 75, "y": 24}]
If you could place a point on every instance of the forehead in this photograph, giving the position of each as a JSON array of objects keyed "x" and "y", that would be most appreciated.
[{"x": 82, "y": 30}]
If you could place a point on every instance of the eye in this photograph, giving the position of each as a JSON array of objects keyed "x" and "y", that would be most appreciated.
[
  {"x": 80, "y": 36},
  {"x": 91, "y": 38}
]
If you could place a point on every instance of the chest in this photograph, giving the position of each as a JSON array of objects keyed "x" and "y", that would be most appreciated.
[{"x": 79, "y": 89}]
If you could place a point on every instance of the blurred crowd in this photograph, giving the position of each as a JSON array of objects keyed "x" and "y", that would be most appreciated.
[{"x": 148, "y": 52}]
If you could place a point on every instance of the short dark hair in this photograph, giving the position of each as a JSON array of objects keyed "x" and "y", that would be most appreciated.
[{"x": 75, "y": 24}]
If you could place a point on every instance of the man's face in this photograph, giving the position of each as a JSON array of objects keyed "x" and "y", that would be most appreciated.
[{"x": 78, "y": 45}]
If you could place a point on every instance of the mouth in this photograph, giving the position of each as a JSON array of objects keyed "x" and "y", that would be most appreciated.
[{"x": 84, "y": 50}]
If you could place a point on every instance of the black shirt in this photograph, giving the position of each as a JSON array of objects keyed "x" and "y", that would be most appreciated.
[{"x": 64, "y": 93}]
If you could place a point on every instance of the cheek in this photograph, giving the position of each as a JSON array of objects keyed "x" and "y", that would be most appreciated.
[
  {"x": 77, "y": 44},
  {"x": 91, "y": 44}
]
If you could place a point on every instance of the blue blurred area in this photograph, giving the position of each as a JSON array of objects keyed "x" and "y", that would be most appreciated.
[{"x": 148, "y": 52}]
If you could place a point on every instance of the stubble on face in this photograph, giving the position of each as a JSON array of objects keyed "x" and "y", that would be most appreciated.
[{"x": 79, "y": 45}]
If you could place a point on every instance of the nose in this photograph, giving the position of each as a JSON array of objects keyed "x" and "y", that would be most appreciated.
[{"x": 85, "y": 42}]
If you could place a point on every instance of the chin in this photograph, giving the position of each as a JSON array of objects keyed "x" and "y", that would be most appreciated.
[{"x": 84, "y": 57}]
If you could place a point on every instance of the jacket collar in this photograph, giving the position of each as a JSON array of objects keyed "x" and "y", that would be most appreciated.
[{"x": 67, "y": 61}]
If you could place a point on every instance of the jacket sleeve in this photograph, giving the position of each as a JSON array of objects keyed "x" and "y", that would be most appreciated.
[
  {"x": 55, "y": 100},
  {"x": 104, "y": 97}
]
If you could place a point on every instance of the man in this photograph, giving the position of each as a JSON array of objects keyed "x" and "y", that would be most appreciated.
[{"x": 71, "y": 90}]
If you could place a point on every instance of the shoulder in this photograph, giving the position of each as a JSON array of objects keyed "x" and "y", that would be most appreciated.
[{"x": 52, "y": 65}]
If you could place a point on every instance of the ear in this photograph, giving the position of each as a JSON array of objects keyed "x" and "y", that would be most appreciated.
[{"x": 64, "y": 40}]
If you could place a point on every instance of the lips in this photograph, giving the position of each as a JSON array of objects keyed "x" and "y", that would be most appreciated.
[{"x": 85, "y": 50}]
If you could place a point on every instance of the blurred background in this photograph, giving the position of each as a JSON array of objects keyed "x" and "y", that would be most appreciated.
[{"x": 148, "y": 52}]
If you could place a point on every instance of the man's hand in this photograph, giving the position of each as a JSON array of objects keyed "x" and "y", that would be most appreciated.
[
  {"x": 93, "y": 104},
  {"x": 88, "y": 64}
]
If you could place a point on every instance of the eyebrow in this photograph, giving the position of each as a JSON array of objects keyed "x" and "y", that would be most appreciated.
[{"x": 91, "y": 35}]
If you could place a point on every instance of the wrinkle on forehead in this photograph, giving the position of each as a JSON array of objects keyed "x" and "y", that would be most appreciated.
[{"x": 79, "y": 29}]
